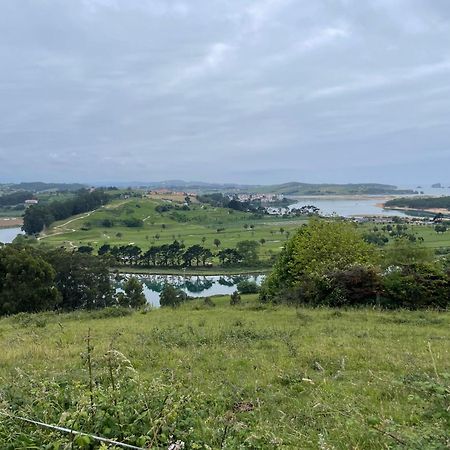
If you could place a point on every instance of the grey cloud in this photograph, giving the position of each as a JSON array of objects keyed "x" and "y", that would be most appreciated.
[{"x": 231, "y": 90}]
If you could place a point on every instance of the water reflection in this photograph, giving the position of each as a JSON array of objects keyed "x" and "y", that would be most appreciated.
[{"x": 193, "y": 286}]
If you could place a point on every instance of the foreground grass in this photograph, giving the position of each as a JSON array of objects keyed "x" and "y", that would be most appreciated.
[{"x": 230, "y": 377}]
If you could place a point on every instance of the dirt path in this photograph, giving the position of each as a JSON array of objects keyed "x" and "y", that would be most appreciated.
[{"x": 70, "y": 230}]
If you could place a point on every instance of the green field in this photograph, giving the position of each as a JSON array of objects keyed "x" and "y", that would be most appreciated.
[
  {"x": 229, "y": 377},
  {"x": 202, "y": 224},
  {"x": 431, "y": 239},
  {"x": 202, "y": 221}
]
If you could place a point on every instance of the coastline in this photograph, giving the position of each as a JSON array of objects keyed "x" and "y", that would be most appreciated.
[
  {"x": 10, "y": 222},
  {"x": 193, "y": 271},
  {"x": 383, "y": 198},
  {"x": 406, "y": 209}
]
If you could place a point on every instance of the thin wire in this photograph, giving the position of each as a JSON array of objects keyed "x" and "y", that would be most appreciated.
[{"x": 68, "y": 430}]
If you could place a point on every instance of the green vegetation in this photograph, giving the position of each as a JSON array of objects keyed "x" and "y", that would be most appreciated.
[
  {"x": 33, "y": 280},
  {"x": 14, "y": 198},
  {"x": 163, "y": 222},
  {"x": 329, "y": 263},
  {"x": 37, "y": 217},
  {"x": 243, "y": 376},
  {"x": 420, "y": 203}
]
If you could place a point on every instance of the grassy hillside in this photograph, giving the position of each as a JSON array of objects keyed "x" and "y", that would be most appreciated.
[
  {"x": 201, "y": 225},
  {"x": 230, "y": 377},
  {"x": 191, "y": 227}
]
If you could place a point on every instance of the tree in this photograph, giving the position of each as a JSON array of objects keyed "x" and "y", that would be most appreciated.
[
  {"x": 36, "y": 218},
  {"x": 229, "y": 256},
  {"x": 104, "y": 249},
  {"x": 194, "y": 252},
  {"x": 170, "y": 296},
  {"x": 85, "y": 249},
  {"x": 83, "y": 280},
  {"x": 133, "y": 295},
  {"x": 206, "y": 255},
  {"x": 315, "y": 250},
  {"x": 262, "y": 241},
  {"x": 27, "y": 282},
  {"x": 440, "y": 228},
  {"x": 217, "y": 242},
  {"x": 248, "y": 251}
]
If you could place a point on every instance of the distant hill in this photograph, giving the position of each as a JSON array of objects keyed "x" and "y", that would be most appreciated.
[
  {"x": 38, "y": 186},
  {"x": 292, "y": 188},
  {"x": 295, "y": 188}
]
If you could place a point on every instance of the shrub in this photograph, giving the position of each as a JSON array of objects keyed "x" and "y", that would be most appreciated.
[
  {"x": 247, "y": 287},
  {"x": 235, "y": 298},
  {"x": 416, "y": 286}
]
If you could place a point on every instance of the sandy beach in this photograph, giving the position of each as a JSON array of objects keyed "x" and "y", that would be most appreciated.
[{"x": 10, "y": 222}]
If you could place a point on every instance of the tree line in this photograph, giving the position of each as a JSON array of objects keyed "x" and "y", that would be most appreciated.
[
  {"x": 177, "y": 254},
  {"x": 38, "y": 217},
  {"x": 420, "y": 202},
  {"x": 15, "y": 198}
]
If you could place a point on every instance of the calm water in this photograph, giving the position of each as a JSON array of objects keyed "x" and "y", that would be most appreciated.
[
  {"x": 346, "y": 207},
  {"x": 365, "y": 206},
  {"x": 7, "y": 235},
  {"x": 194, "y": 286}
]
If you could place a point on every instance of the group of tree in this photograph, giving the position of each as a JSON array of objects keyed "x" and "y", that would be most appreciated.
[
  {"x": 233, "y": 202},
  {"x": 38, "y": 217},
  {"x": 177, "y": 254},
  {"x": 329, "y": 263},
  {"x": 15, "y": 198},
  {"x": 33, "y": 280},
  {"x": 420, "y": 202},
  {"x": 381, "y": 236}
]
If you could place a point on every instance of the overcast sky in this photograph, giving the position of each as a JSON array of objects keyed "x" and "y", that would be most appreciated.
[{"x": 249, "y": 91}]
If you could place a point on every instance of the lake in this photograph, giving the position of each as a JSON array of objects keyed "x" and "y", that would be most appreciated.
[
  {"x": 193, "y": 286},
  {"x": 7, "y": 235}
]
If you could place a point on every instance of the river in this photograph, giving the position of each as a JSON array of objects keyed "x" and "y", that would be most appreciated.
[
  {"x": 7, "y": 235},
  {"x": 193, "y": 286}
]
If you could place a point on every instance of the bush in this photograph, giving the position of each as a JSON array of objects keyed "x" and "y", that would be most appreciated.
[
  {"x": 235, "y": 298},
  {"x": 416, "y": 286},
  {"x": 247, "y": 287},
  {"x": 133, "y": 222}
]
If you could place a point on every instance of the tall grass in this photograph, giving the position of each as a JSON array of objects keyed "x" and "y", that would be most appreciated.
[{"x": 247, "y": 376}]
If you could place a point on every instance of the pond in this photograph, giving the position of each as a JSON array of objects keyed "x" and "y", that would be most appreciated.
[
  {"x": 193, "y": 286},
  {"x": 7, "y": 235}
]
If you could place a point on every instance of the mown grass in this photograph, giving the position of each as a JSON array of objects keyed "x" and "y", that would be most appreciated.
[{"x": 250, "y": 376}]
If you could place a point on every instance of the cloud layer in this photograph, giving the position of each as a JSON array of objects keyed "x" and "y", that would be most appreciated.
[{"x": 255, "y": 91}]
